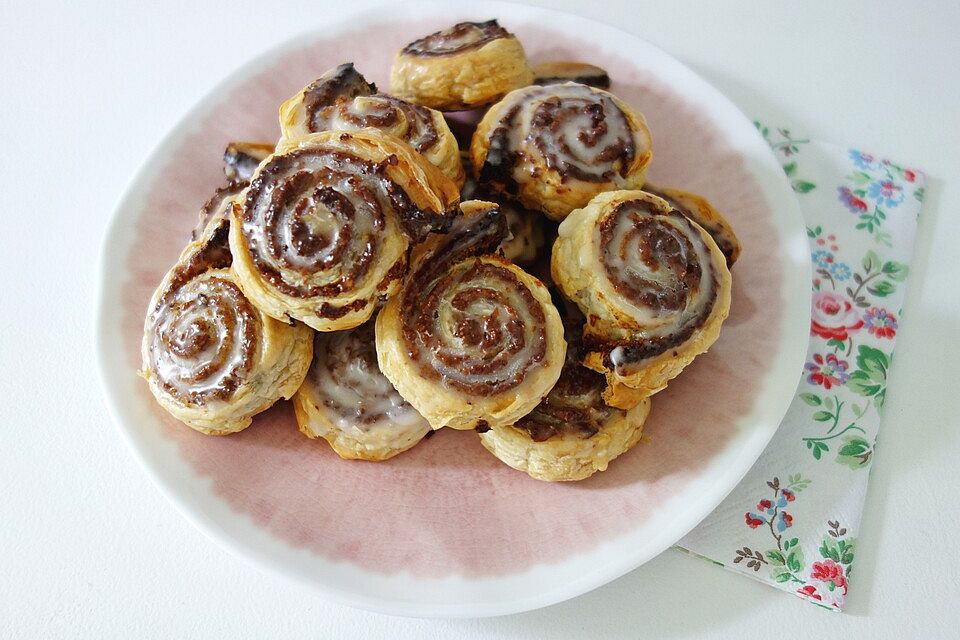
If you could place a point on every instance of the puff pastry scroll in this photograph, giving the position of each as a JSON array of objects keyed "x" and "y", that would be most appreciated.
[
  {"x": 343, "y": 100},
  {"x": 466, "y": 66},
  {"x": 323, "y": 230},
  {"x": 211, "y": 358},
  {"x": 348, "y": 402},
  {"x": 653, "y": 285},
  {"x": 572, "y": 433},
  {"x": 471, "y": 340},
  {"x": 554, "y": 147}
]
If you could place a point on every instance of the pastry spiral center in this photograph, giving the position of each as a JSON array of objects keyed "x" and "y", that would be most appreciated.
[
  {"x": 315, "y": 220},
  {"x": 581, "y": 134},
  {"x": 478, "y": 328},
  {"x": 203, "y": 340},
  {"x": 409, "y": 122}
]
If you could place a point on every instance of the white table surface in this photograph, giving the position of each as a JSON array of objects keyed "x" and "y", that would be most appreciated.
[{"x": 90, "y": 548}]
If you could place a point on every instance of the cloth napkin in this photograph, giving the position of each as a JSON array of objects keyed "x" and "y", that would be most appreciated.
[{"x": 794, "y": 520}]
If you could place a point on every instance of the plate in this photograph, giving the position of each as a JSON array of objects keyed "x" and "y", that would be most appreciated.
[{"x": 446, "y": 529}]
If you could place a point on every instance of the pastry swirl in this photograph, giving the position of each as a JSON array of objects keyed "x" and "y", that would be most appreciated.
[
  {"x": 343, "y": 100},
  {"x": 555, "y": 147},
  {"x": 699, "y": 209},
  {"x": 572, "y": 433},
  {"x": 211, "y": 358},
  {"x": 472, "y": 339},
  {"x": 653, "y": 284},
  {"x": 323, "y": 231},
  {"x": 466, "y": 66},
  {"x": 347, "y": 400}
]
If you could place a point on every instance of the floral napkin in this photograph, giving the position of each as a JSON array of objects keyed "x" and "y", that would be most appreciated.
[{"x": 793, "y": 521}]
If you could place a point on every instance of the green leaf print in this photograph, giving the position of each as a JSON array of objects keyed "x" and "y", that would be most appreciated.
[
  {"x": 811, "y": 399},
  {"x": 871, "y": 262},
  {"x": 855, "y": 453},
  {"x": 790, "y": 168},
  {"x": 870, "y": 378},
  {"x": 802, "y": 186},
  {"x": 896, "y": 270},
  {"x": 795, "y": 560},
  {"x": 882, "y": 289}
]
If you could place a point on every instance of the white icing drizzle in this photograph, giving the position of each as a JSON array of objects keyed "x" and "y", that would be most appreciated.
[
  {"x": 357, "y": 397},
  {"x": 321, "y": 225},
  {"x": 569, "y": 128},
  {"x": 411, "y": 123},
  {"x": 200, "y": 337},
  {"x": 623, "y": 255}
]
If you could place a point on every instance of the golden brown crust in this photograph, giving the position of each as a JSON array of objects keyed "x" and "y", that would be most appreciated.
[
  {"x": 342, "y": 100},
  {"x": 568, "y": 457},
  {"x": 333, "y": 245},
  {"x": 653, "y": 285},
  {"x": 211, "y": 358},
  {"x": 466, "y": 78},
  {"x": 346, "y": 400},
  {"x": 472, "y": 339},
  {"x": 555, "y": 147}
]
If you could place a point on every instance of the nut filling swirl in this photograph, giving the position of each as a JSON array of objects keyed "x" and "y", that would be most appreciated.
[
  {"x": 460, "y": 37},
  {"x": 579, "y": 133},
  {"x": 661, "y": 267},
  {"x": 575, "y": 404},
  {"x": 203, "y": 337},
  {"x": 343, "y": 100},
  {"x": 314, "y": 219},
  {"x": 470, "y": 322},
  {"x": 346, "y": 377}
]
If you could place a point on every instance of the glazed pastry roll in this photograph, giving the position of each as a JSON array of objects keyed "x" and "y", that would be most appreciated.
[
  {"x": 572, "y": 433},
  {"x": 699, "y": 209},
  {"x": 555, "y": 147},
  {"x": 471, "y": 339},
  {"x": 348, "y": 402},
  {"x": 343, "y": 100},
  {"x": 241, "y": 159},
  {"x": 324, "y": 228},
  {"x": 560, "y": 71},
  {"x": 211, "y": 358},
  {"x": 466, "y": 66},
  {"x": 653, "y": 284}
]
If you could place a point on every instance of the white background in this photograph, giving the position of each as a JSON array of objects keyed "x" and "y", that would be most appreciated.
[{"x": 89, "y": 548}]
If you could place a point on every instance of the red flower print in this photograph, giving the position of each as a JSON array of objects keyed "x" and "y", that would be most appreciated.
[
  {"x": 763, "y": 505},
  {"x": 853, "y": 203},
  {"x": 910, "y": 176},
  {"x": 827, "y": 371},
  {"x": 752, "y": 521},
  {"x": 833, "y": 316},
  {"x": 809, "y": 591},
  {"x": 880, "y": 322},
  {"x": 829, "y": 571},
  {"x": 789, "y": 495}
]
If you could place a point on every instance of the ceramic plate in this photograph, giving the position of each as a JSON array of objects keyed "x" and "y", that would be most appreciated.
[{"x": 446, "y": 529}]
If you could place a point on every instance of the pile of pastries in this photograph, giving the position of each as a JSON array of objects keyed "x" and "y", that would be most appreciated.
[{"x": 530, "y": 288}]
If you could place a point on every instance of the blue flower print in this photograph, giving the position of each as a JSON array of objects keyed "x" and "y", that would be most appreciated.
[{"x": 886, "y": 192}]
